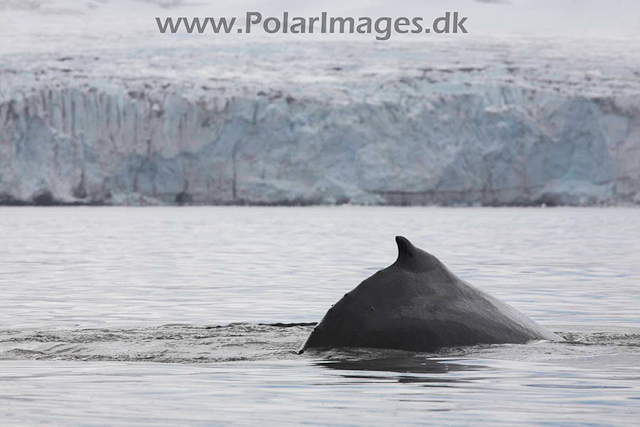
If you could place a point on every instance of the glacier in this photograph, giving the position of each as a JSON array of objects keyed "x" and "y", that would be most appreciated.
[{"x": 480, "y": 121}]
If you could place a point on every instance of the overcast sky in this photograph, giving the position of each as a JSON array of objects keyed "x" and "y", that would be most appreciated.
[{"x": 25, "y": 23}]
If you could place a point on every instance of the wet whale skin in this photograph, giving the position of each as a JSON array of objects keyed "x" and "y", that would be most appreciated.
[{"x": 418, "y": 304}]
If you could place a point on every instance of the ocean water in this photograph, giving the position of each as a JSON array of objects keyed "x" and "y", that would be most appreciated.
[{"x": 192, "y": 316}]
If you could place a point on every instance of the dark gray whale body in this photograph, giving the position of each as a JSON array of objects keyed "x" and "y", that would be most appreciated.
[{"x": 418, "y": 304}]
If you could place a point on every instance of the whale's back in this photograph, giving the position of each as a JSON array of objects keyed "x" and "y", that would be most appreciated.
[{"x": 418, "y": 304}]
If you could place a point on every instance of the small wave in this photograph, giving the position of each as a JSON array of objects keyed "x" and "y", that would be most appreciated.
[
  {"x": 601, "y": 338},
  {"x": 168, "y": 343},
  {"x": 179, "y": 343}
]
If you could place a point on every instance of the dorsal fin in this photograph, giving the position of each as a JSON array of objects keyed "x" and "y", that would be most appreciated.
[
  {"x": 413, "y": 258},
  {"x": 406, "y": 250}
]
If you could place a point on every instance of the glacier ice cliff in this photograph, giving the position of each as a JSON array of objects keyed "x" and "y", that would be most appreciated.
[{"x": 491, "y": 122}]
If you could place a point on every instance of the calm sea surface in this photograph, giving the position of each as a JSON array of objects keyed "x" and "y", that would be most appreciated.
[{"x": 192, "y": 316}]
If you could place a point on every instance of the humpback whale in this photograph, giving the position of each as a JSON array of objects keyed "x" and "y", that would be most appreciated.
[{"x": 418, "y": 304}]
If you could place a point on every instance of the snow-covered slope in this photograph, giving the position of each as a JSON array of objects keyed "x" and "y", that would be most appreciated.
[{"x": 489, "y": 121}]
